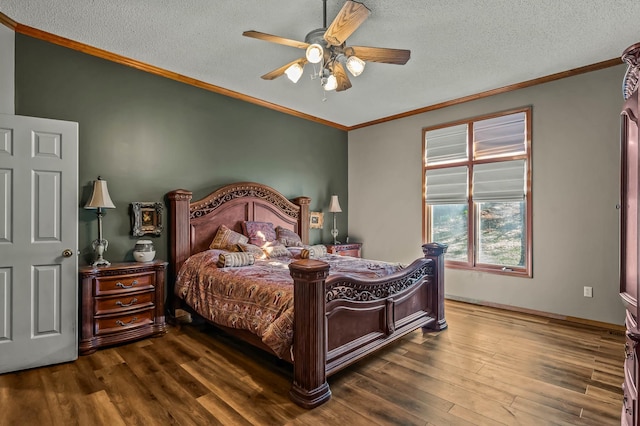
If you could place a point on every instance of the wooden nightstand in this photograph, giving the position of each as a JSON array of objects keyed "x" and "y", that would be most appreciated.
[
  {"x": 346, "y": 249},
  {"x": 120, "y": 303}
]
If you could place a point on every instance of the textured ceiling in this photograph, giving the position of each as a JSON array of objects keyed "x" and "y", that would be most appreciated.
[{"x": 458, "y": 47}]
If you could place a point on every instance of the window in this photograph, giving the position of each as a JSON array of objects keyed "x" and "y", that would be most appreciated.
[{"x": 477, "y": 192}]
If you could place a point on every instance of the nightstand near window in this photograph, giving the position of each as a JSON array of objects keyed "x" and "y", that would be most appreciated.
[{"x": 345, "y": 249}]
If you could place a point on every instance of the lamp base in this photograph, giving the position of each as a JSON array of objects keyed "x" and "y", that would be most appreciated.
[
  {"x": 99, "y": 246},
  {"x": 101, "y": 262},
  {"x": 334, "y": 234}
]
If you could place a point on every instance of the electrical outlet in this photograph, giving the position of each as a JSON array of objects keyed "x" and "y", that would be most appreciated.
[{"x": 588, "y": 291}]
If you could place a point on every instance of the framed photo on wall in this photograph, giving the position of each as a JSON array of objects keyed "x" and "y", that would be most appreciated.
[
  {"x": 316, "y": 220},
  {"x": 146, "y": 218}
]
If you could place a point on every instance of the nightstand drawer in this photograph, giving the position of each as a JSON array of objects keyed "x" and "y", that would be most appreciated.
[
  {"x": 629, "y": 404},
  {"x": 119, "y": 323},
  {"x": 124, "y": 283},
  {"x": 123, "y": 302}
]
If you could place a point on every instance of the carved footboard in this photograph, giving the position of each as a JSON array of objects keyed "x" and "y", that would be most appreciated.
[{"x": 342, "y": 319}]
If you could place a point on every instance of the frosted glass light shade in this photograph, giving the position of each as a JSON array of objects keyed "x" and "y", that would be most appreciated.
[
  {"x": 294, "y": 72},
  {"x": 331, "y": 83},
  {"x": 355, "y": 65},
  {"x": 314, "y": 53},
  {"x": 334, "y": 206}
]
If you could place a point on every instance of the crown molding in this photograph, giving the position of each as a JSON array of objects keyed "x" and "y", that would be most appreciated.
[
  {"x": 94, "y": 51},
  {"x": 541, "y": 80},
  {"x": 8, "y": 22}
]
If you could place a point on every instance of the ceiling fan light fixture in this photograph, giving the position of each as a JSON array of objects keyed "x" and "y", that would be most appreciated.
[
  {"x": 314, "y": 53},
  {"x": 355, "y": 65},
  {"x": 294, "y": 72},
  {"x": 331, "y": 83},
  {"x": 327, "y": 46}
]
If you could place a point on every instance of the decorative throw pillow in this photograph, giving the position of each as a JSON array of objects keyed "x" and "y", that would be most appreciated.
[
  {"x": 313, "y": 252},
  {"x": 259, "y": 233},
  {"x": 227, "y": 260},
  {"x": 227, "y": 239},
  {"x": 252, "y": 249},
  {"x": 276, "y": 251},
  {"x": 288, "y": 237}
]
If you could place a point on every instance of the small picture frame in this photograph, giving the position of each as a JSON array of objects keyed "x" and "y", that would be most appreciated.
[
  {"x": 146, "y": 218},
  {"x": 316, "y": 220}
]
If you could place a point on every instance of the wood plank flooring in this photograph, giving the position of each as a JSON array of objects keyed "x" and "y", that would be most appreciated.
[{"x": 490, "y": 367}]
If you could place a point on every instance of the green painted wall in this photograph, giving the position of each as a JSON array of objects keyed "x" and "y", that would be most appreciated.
[{"x": 147, "y": 135}]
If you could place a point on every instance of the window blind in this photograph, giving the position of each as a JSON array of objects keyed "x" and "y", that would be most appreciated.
[
  {"x": 446, "y": 145},
  {"x": 447, "y": 186},
  {"x": 500, "y": 136},
  {"x": 499, "y": 181}
]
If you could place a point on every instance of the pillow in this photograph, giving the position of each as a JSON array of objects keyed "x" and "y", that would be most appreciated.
[
  {"x": 227, "y": 239},
  {"x": 253, "y": 250},
  {"x": 227, "y": 260},
  {"x": 276, "y": 251},
  {"x": 295, "y": 251},
  {"x": 259, "y": 233},
  {"x": 288, "y": 237},
  {"x": 313, "y": 252}
]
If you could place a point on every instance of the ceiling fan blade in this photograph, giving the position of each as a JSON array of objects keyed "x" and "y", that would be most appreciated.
[
  {"x": 348, "y": 20},
  {"x": 379, "y": 54},
  {"x": 276, "y": 39},
  {"x": 279, "y": 71},
  {"x": 341, "y": 77}
]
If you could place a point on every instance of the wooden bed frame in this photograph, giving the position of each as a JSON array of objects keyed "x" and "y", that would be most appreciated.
[{"x": 337, "y": 320}]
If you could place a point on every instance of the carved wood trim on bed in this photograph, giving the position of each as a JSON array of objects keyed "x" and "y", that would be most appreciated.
[
  {"x": 338, "y": 319},
  {"x": 350, "y": 318},
  {"x": 193, "y": 225}
]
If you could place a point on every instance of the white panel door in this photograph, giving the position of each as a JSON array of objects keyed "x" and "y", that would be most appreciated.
[{"x": 38, "y": 242}]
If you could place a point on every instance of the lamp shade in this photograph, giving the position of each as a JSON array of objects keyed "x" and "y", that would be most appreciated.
[
  {"x": 334, "y": 206},
  {"x": 294, "y": 72},
  {"x": 100, "y": 196},
  {"x": 331, "y": 84},
  {"x": 355, "y": 65},
  {"x": 314, "y": 53}
]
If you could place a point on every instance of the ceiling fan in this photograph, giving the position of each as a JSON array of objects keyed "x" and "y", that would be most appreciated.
[{"x": 327, "y": 47}]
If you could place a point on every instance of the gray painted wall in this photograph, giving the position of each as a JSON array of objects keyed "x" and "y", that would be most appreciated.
[
  {"x": 147, "y": 135},
  {"x": 7, "y": 50},
  {"x": 575, "y": 149}
]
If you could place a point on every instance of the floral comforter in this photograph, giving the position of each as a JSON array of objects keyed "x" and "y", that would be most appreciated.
[{"x": 257, "y": 298}]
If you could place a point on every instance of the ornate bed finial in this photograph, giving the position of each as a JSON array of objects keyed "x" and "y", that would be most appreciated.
[
  {"x": 434, "y": 249},
  {"x": 631, "y": 56}
]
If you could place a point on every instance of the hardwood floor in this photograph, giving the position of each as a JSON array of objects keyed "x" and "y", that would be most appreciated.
[{"x": 490, "y": 367}]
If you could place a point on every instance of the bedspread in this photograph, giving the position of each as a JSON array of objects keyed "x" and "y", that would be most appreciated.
[{"x": 257, "y": 298}]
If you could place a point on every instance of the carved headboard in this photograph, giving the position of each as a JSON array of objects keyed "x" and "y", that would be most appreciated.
[{"x": 194, "y": 224}]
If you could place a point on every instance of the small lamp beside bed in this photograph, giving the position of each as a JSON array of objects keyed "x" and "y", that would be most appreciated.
[
  {"x": 334, "y": 207},
  {"x": 100, "y": 199}
]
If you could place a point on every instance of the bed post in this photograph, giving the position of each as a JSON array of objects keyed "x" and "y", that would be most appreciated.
[
  {"x": 303, "y": 221},
  {"x": 436, "y": 252},
  {"x": 310, "y": 387},
  {"x": 180, "y": 247}
]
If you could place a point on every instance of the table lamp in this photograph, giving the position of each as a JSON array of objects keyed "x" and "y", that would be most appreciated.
[
  {"x": 334, "y": 207},
  {"x": 99, "y": 200}
]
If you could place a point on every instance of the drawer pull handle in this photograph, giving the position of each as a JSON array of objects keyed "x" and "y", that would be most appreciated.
[
  {"x": 124, "y": 305},
  {"x": 122, "y": 324},
  {"x": 627, "y": 353},
  {"x": 119, "y": 284},
  {"x": 627, "y": 410}
]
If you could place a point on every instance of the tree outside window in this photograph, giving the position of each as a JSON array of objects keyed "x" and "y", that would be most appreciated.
[{"x": 477, "y": 192}]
